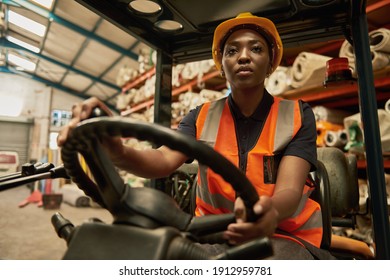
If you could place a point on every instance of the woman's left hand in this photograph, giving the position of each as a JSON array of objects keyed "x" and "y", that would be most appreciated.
[{"x": 265, "y": 225}]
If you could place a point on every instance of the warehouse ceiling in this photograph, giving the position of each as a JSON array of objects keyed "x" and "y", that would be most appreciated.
[{"x": 77, "y": 51}]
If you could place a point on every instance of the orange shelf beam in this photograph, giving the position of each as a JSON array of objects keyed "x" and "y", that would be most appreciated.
[
  {"x": 187, "y": 87},
  {"x": 139, "y": 80}
]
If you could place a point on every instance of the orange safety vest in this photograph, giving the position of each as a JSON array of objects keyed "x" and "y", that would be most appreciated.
[{"x": 215, "y": 126}]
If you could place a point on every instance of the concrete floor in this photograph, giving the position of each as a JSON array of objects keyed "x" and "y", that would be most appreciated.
[{"x": 27, "y": 233}]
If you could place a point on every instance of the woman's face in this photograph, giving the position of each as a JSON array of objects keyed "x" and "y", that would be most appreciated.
[{"x": 245, "y": 59}]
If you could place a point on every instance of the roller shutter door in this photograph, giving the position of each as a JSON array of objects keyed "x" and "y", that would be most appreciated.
[{"x": 15, "y": 135}]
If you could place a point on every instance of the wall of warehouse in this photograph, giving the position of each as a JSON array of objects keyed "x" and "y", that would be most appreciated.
[{"x": 23, "y": 98}]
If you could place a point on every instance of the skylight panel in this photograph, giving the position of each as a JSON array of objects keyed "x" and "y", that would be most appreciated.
[
  {"x": 48, "y": 4},
  {"x": 26, "y": 23},
  {"x": 23, "y": 44},
  {"x": 21, "y": 62}
]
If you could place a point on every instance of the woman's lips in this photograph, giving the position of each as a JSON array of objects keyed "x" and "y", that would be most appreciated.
[{"x": 244, "y": 71}]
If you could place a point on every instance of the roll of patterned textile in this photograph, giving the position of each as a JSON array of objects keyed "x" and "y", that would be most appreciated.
[{"x": 308, "y": 69}]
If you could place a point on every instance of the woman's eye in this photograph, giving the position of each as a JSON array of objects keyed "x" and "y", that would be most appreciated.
[
  {"x": 257, "y": 49},
  {"x": 231, "y": 51}
]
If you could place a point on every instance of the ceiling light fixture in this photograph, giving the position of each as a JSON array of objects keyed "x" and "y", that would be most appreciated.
[
  {"x": 26, "y": 23},
  {"x": 169, "y": 25},
  {"x": 145, "y": 7}
]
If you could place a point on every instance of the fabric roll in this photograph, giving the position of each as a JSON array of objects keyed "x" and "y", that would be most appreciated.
[
  {"x": 308, "y": 69},
  {"x": 206, "y": 65},
  {"x": 342, "y": 135},
  {"x": 176, "y": 74},
  {"x": 279, "y": 81},
  {"x": 354, "y": 127},
  {"x": 380, "y": 40},
  {"x": 190, "y": 70},
  {"x": 331, "y": 139},
  {"x": 335, "y": 138},
  {"x": 322, "y": 129},
  {"x": 387, "y": 106},
  {"x": 379, "y": 60},
  {"x": 322, "y": 113},
  {"x": 347, "y": 51},
  {"x": 380, "y": 50},
  {"x": 74, "y": 196}
]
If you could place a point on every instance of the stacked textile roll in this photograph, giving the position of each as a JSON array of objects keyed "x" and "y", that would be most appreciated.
[
  {"x": 126, "y": 74},
  {"x": 195, "y": 69},
  {"x": 387, "y": 106},
  {"x": 347, "y": 51},
  {"x": 322, "y": 113},
  {"x": 380, "y": 40},
  {"x": 379, "y": 46},
  {"x": 279, "y": 81},
  {"x": 329, "y": 134},
  {"x": 337, "y": 138},
  {"x": 74, "y": 196},
  {"x": 354, "y": 127},
  {"x": 308, "y": 69}
]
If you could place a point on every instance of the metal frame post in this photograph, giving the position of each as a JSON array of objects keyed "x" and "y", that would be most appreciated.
[
  {"x": 162, "y": 100},
  {"x": 369, "y": 116}
]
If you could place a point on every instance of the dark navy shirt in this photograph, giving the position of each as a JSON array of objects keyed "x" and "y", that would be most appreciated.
[{"x": 248, "y": 130}]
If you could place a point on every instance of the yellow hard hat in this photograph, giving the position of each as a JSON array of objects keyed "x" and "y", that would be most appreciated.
[{"x": 246, "y": 20}]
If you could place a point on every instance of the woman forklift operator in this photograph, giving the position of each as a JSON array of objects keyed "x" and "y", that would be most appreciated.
[{"x": 270, "y": 139}]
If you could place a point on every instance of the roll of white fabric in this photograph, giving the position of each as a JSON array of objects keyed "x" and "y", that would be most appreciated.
[
  {"x": 342, "y": 135},
  {"x": 387, "y": 106},
  {"x": 74, "y": 196},
  {"x": 322, "y": 113},
  {"x": 332, "y": 139},
  {"x": 279, "y": 81},
  {"x": 347, "y": 51},
  {"x": 206, "y": 65},
  {"x": 380, "y": 40},
  {"x": 384, "y": 127},
  {"x": 191, "y": 70},
  {"x": 308, "y": 69},
  {"x": 379, "y": 60}
]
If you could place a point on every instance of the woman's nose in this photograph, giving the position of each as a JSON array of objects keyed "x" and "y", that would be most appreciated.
[{"x": 244, "y": 56}]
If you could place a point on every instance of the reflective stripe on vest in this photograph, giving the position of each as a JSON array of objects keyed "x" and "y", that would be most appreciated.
[
  {"x": 216, "y": 201},
  {"x": 215, "y": 126}
]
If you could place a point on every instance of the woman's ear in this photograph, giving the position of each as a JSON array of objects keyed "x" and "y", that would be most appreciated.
[
  {"x": 269, "y": 72},
  {"x": 222, "y": 73}
]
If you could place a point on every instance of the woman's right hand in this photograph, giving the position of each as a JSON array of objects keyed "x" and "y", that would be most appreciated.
[{"x": 82, "y": 111}]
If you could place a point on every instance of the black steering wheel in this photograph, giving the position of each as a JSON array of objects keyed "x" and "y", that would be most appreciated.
[{"x": 107, "y": 187}]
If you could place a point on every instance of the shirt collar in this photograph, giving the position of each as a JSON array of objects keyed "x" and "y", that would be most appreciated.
[{"x": 261, "y": 111}]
